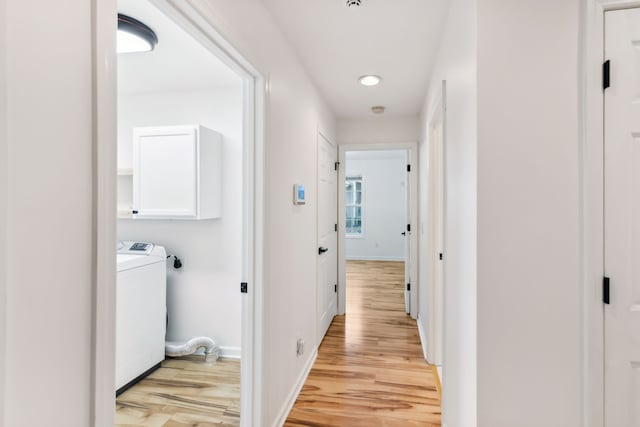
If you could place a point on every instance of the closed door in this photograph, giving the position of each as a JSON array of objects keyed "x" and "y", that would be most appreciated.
[
  {"x": 165, "y": 173},
  {"x": 327, "y": 296},
  {"x": 622, "y": 219}
]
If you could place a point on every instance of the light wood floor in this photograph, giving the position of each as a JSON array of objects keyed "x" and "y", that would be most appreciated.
[
  {"x": 184, "y": 392},
  {"x": 370, "y": 370}
]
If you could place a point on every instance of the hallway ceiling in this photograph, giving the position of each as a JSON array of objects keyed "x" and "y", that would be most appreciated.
[{"x": 395, "y": 39}]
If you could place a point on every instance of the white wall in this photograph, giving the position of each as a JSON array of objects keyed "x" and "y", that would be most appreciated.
[
  {"x": 49, "y": 267},
  {"x": 384, "y": 204},
  {"x": 203, "y": 297},
  {"x": 456, "y": 63},
  {"x": 296, "y": 110},
  {"x": 529, "y": 291},
  {"x": 378, "y": 129}
]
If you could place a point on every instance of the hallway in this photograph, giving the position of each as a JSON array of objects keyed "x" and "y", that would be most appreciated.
[{"x": 370, "y": 370}]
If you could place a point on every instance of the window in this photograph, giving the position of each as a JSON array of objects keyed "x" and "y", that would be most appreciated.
[{"x": 353, "y": 203}]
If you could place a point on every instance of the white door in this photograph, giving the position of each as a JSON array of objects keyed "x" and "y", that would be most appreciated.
[
  {"x": 622, "y": 219},
  {"x": 438, "y": 239},
  {"x": 407, "y": 248},
  {"x": 327, "y": 295},
  {"x": 435, "y": 236}
]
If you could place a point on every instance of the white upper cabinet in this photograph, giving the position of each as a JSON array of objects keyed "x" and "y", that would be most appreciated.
[{"x": 177, "y": 172}]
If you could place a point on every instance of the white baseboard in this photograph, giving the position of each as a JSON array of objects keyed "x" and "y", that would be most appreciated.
[
  {"x": 374, "y": 258},
  {"x": 423, "y": 338},
  {"x": 230, "y": 352},
  {"x": 291, "y": 399}
]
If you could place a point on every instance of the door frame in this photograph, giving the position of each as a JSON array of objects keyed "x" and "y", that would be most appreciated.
[
  {"x": 104, "y": 136},
  {"x": 436, "y": 297},
  {"x": 413, "y": 160},
  {"x": 591, "y": 152}
]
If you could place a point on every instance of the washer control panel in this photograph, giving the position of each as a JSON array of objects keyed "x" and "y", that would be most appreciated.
[{"x": 135, "y": 248}]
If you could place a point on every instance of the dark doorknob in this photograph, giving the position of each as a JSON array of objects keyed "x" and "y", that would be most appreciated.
[
  {"x": 322, "y": 250},
  {"x": 404, "y": 233}
]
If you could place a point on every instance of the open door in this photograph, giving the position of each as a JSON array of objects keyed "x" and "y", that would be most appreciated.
[
  {"x": 407, "y": 245},
  {"x": 436, "y": 233},
  {"x": 327, "y": 283},
  {"x": 621, "y": 288}
]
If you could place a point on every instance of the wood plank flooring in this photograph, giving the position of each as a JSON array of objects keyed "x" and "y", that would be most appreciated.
[
  {"x": 184, "y": 392},
  {"x": 370, "y": 370}
]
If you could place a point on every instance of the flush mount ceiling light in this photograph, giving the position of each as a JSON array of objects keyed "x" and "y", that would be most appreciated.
[
  {"x": 134, "y": 36},
  {"x": 378, "y": 109},
  {"x": 370, "y": 80},
  {"x": 353, "y": 3}
]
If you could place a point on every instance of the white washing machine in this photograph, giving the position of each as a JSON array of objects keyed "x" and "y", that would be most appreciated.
[{"x": 141, "y": 311}]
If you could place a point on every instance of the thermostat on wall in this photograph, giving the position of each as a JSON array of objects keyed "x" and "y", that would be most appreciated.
[{"x": 298, "y": 194}]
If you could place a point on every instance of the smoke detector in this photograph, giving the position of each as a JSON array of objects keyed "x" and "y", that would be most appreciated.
[
  {"x": 353, "y": 3},
  {"x": 378, "y": 109}
]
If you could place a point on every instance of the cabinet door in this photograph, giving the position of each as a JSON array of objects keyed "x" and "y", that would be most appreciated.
[{"x": 165, "y": 172}]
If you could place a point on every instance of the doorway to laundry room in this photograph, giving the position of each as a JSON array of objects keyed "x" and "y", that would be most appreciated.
[{"x": 184, "y": 223}]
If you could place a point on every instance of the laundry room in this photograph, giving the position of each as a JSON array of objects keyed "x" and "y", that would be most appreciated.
[{"x": 180, "y": 200}]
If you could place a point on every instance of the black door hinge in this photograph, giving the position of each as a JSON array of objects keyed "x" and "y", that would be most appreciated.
[
  {"x": 409, "y": 227},
  {"x": 244, "y": 287},
  {"x": 606, "y": 291},
  {"x": 408, "y": 286},
  {"x": 408, "y": 168},
  {"x": 336, "y": 165},
  {"x": 336, "y": 228},
  {"x": 606, "y": 74},
  {"x": 335, "y": 288},
  {"x": 440, "y": 257}
]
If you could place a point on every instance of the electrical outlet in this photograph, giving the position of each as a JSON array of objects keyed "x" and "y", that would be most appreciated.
[{"x": 300, "y": 347}]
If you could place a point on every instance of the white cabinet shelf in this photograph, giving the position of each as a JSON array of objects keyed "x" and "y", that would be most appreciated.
[{"x": 177, "y": 172}]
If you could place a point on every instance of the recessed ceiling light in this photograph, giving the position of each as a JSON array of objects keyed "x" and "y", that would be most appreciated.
[
  {"x": 134, "y": 36},
  {"x": 378, "y": 109},
  {"x": 370, "y": 80}
]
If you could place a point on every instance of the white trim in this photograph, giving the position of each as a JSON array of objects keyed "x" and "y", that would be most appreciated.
[
  {"x": 295, "y": 391},
  {"x": 592, "y": 212},
  {"x": 413, "y": 160},
  {"x": 104, "y": 203},
  {"x": 423, "y": 338},
  {"x": 255, "y": 105},
  {"x": 372, "y": 258},
  {"x": 230, "y": 352}
]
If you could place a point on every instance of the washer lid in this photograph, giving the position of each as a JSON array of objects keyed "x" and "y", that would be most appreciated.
[{"x": 128, "y": 262}]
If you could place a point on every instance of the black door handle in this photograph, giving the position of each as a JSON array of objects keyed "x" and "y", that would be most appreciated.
[
  {"x": 322, "y": 250},
  {"x": 404, "y": 233}
]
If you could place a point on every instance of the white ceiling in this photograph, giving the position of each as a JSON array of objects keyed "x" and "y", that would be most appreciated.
[
  {"x": 178, "y": 63},
  {"x": 396, "y": 39}
]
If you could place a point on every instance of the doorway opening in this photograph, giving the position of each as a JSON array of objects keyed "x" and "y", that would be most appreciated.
[
  {"x": 377, "y": 214},
  {"x": 180, "y": 315}
]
